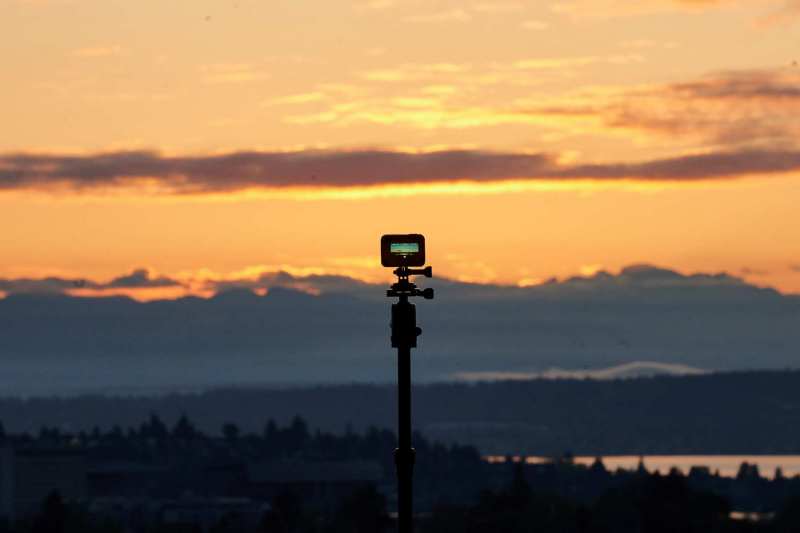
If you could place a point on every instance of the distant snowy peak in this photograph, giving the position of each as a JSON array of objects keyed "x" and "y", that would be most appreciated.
[{"x": 636, "y": 369}]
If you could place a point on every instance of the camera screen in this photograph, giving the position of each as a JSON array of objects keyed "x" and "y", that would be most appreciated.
[{"x": 404, "y": 248}]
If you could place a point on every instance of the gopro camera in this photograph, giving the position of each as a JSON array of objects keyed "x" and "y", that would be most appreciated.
[{"x": 403, "y": 250}]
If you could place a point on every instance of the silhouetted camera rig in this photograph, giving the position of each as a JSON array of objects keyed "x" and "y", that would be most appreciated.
[
  {"x": 404, "y": 252},
  {"x": 404, "y": 314}
]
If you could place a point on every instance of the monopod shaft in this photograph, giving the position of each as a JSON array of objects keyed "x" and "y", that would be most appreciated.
[{"x": 404, "y": 455}]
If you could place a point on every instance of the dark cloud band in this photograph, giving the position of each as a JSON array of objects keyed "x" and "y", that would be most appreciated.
[
  {"x": 248, "y": 170},
  {"x": 140, "y": 278},
  {"x": 695, "y": 167}
]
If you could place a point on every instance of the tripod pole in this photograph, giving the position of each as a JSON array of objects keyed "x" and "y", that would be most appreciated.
[{"x": 404, "y": 455}]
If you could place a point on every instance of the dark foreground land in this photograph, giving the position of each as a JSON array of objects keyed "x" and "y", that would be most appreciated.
[
  {"x": 726, "y": 413},
  {"x": 243, "y": 460},
  {"x": 155, "y": 477},
  {"x": 644, "y": 504}
]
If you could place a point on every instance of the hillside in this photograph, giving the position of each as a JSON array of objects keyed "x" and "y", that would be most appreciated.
[{"x": 730, "y": 413}]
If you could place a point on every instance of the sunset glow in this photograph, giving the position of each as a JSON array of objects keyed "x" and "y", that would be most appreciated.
[{"x": 527, "y": 140}]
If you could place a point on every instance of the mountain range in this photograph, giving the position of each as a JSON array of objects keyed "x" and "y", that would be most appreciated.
[{"x": 329, "y": 329}]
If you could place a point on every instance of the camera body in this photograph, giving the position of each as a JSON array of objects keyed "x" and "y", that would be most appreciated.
[{"x": 403, "y": 250}]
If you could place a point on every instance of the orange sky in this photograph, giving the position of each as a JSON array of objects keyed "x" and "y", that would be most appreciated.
[{"x": 585, "y": 82}]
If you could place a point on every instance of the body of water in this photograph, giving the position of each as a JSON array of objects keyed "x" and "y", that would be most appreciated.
[{"x": 727, "y": 465}]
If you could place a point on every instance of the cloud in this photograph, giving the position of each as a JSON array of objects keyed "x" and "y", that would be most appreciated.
[
  {"x": 144, "y": 284},
  {"x": 730, "y": 109},
  {"x": 694, "y": 167},
  {"x": 242, "y": 170},
  {"x": 315, "y": 284},
  {"x": 43, "y": 285},
  {"x": 274, "y": 170},
  {"x": 320, "y": 281},
  {"x": 140, "y": 278},
  {"x": 742, "y": 122},
  {"x": 736, "y": 108},
  {"x": 761, "y": 85},
  {"x": 646, "y": 275}
]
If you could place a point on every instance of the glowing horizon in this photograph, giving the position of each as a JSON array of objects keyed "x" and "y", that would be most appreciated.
[{"x": 562, "y": 137}]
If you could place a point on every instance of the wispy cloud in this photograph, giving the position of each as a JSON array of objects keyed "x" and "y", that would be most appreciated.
[
  {"x": 422, "y": 113},
  {"x": 724, "y": 109},
  {"x": 445, "y": 95}
]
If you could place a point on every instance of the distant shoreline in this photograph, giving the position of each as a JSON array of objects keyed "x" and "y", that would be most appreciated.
[{"x": 724, "y": 465}]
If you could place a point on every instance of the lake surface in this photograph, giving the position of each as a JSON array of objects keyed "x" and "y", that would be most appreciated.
[{"x": 727, "y": 465}]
